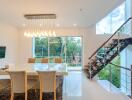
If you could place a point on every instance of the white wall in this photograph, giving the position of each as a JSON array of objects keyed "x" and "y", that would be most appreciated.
[
  {"x": 9, "y": 38},
  {"x": 91, "y": 42}
]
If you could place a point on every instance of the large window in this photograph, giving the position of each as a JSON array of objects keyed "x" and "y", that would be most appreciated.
[
  {"x": 112, "y": 21},
  {"x": 111, "y": 73},
  {"x": 68, "y": 48}
]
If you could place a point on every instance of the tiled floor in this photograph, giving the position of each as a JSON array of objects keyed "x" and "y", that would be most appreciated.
[
  {"x": 78, "y": 87},
  {"x": 108, "y": 86}
]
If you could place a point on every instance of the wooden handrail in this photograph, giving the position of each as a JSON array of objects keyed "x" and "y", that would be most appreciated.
[
  {"x": 121, "y": 67},
  {"x": 110, "y": 37}
]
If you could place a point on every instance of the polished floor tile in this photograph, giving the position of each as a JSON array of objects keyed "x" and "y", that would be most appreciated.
[{"x": 77, "y": 87}]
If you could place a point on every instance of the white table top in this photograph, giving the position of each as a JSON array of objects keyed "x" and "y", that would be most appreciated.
[{"x": 31, "y": 69}]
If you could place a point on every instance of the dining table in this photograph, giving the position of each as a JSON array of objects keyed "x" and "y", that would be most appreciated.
[{"x": 32, "y": 68}]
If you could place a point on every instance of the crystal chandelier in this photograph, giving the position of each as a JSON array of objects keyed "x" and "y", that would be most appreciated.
[{"x": 39, "y": 25}]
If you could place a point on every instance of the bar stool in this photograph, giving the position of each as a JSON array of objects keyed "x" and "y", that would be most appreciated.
[
  {"x": 31, "y": 60},
  {"x": 44, "y": 60},
  {"x": 47, "y": 82},
  {"x": 18, "y": 83},
  {"x": 58, "y": 60}
]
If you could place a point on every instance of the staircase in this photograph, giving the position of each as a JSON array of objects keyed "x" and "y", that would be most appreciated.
[{"x": 108, "y": 51}]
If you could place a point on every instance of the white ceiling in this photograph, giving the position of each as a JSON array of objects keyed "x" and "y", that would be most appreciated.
[{"x": 81, "y": 12}]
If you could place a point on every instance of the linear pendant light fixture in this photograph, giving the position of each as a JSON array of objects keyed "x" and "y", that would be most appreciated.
[
  {"x": 38, "y": 25},
  {"x": 40, "y": 16}
]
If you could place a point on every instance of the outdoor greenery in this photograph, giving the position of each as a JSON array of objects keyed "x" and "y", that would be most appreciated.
[
  {"x": 41, "y": 44},
  {"x": 73, "y": 48},
  {"x": 114, "y": 78},
  {"x": 69, "y": 47}
]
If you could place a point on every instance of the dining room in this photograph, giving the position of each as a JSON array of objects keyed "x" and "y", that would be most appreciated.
[
  {"x": 45, "y": 47},
  {"x": 36, "y": 67}
]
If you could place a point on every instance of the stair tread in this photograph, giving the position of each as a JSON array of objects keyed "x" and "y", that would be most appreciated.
[{"x": 100, "y": 61}]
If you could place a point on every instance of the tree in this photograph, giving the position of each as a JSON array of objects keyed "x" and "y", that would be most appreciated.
[
  {"x": 115, "y": 72},
  {"x": 57, "y": 47}
]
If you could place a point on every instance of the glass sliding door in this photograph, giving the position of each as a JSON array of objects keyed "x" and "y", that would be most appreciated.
[{"x": 74, "y": 51}]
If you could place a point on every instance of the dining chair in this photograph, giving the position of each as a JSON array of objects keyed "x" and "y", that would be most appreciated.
[
  {"x": 58, "y": 60},
  {"x": 47, "y": 82},
  {"x": 32, "y": 80},
  {"x": 44, "y": 60},
  {"x": 31, "y": 60},
  {"x": 18, "y": 83}
]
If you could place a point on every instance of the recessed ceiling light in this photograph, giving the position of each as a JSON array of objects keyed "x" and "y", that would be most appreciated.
[
  {"x": 40, "y": 25},
  {"x": 74, "y": 25},
  {"x": 24, "y": 25},
  {"x": 58, "y": 25}
]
